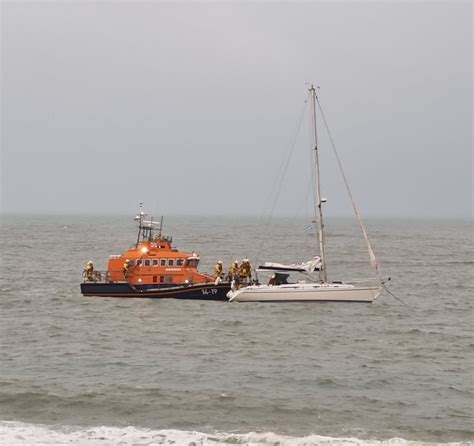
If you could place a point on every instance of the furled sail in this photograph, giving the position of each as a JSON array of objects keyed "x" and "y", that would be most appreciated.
[{"x": 305, "y": 267}]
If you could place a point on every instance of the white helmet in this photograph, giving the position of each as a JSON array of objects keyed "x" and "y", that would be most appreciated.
[{"x": 220, "y": 262}]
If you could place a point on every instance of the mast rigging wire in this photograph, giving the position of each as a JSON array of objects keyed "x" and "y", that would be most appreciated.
[
  {"x": 284, "y": 166},
  {"x": 373, "y": 261}
]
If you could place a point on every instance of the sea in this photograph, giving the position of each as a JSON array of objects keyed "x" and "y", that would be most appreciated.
[{"x": 89, "y": 371}]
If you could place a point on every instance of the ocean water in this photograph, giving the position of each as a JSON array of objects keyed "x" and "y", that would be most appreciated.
[{"x": 102, "y": 371}]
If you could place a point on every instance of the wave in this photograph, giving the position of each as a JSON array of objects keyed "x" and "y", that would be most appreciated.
[{"x": 15, "y": 433}]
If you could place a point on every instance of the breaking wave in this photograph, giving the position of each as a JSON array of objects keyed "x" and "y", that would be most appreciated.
[{"x": 15, "y": 433}]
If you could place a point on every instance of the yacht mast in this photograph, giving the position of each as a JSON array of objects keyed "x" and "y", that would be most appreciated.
[{"x": 318, "y": 204}]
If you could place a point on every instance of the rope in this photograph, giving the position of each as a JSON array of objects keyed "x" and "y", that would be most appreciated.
[
  {"x": 393, "y": 295},
  {"x": 304, "y": 202},
  {"x": 373, "y": 261},
  {"x": 284, "y": 166}
]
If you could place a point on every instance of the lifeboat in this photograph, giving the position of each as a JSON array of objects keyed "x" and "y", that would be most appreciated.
[{"x": 153, "y": 268}]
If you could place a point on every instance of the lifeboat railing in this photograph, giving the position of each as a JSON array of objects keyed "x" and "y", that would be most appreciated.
[
  {"x": 97, "y": 276},
  {"x": 156, "y": 238}
]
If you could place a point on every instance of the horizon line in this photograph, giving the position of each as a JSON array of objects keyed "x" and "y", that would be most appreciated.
[{"x": 232, "y": 215}]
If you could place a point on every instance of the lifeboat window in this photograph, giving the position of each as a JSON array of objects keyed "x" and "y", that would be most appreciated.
[
  {"x": 147, "y": 262},
  {"x": 139, "y": 262},
  {"x": 179, "y": 262},
  {"x": 170, "y": 262},
  {"x": 154, "y": 262},
  {"x": 162, "y": 279},
  {"x": 193, "y": 263},
  {"x": 168, "y": 279},
  {"x": 162, "y": 262}
]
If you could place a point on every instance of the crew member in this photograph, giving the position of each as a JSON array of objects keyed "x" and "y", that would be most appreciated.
[
  {"x": 234, "y": 271},
  {"x": 272, "y": 280},
  {"x": 219, "y": 270},
  {"x": 89, "y": 270},
  {"x": 126, "y": 266},
  {"x": 278, "y": 279},
  {"x": 245, "y": 271}
]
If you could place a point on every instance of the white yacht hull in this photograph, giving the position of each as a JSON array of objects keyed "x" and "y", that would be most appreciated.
[{"x": 305, "y": 293}]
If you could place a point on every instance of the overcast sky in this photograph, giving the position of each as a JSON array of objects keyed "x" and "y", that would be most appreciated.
[{"x": 191, "y": 107}]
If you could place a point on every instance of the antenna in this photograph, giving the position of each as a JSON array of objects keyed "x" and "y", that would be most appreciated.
[{"x": 140, "y": 219}]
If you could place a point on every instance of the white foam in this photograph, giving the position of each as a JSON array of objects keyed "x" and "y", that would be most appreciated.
[{"x": 14, "y": 433}]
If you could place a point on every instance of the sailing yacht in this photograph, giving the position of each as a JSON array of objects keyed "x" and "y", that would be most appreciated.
[{"x": 279, "y": 290}]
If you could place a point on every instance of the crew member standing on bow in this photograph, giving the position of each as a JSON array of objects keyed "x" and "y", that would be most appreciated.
[
  {"x": 245, "y": 271},
  {"x": 234, "y": 275},
  {"x": 234, "y": 271},
  {"x": 219, "y": 270},
  {"x": 89, "y": 271}
]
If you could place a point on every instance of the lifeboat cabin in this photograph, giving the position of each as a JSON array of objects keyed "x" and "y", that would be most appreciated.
[{"x": 152, "y": 268}]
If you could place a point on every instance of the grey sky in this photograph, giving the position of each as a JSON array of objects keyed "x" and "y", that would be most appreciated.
[{"x": 190, "y": 107}]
